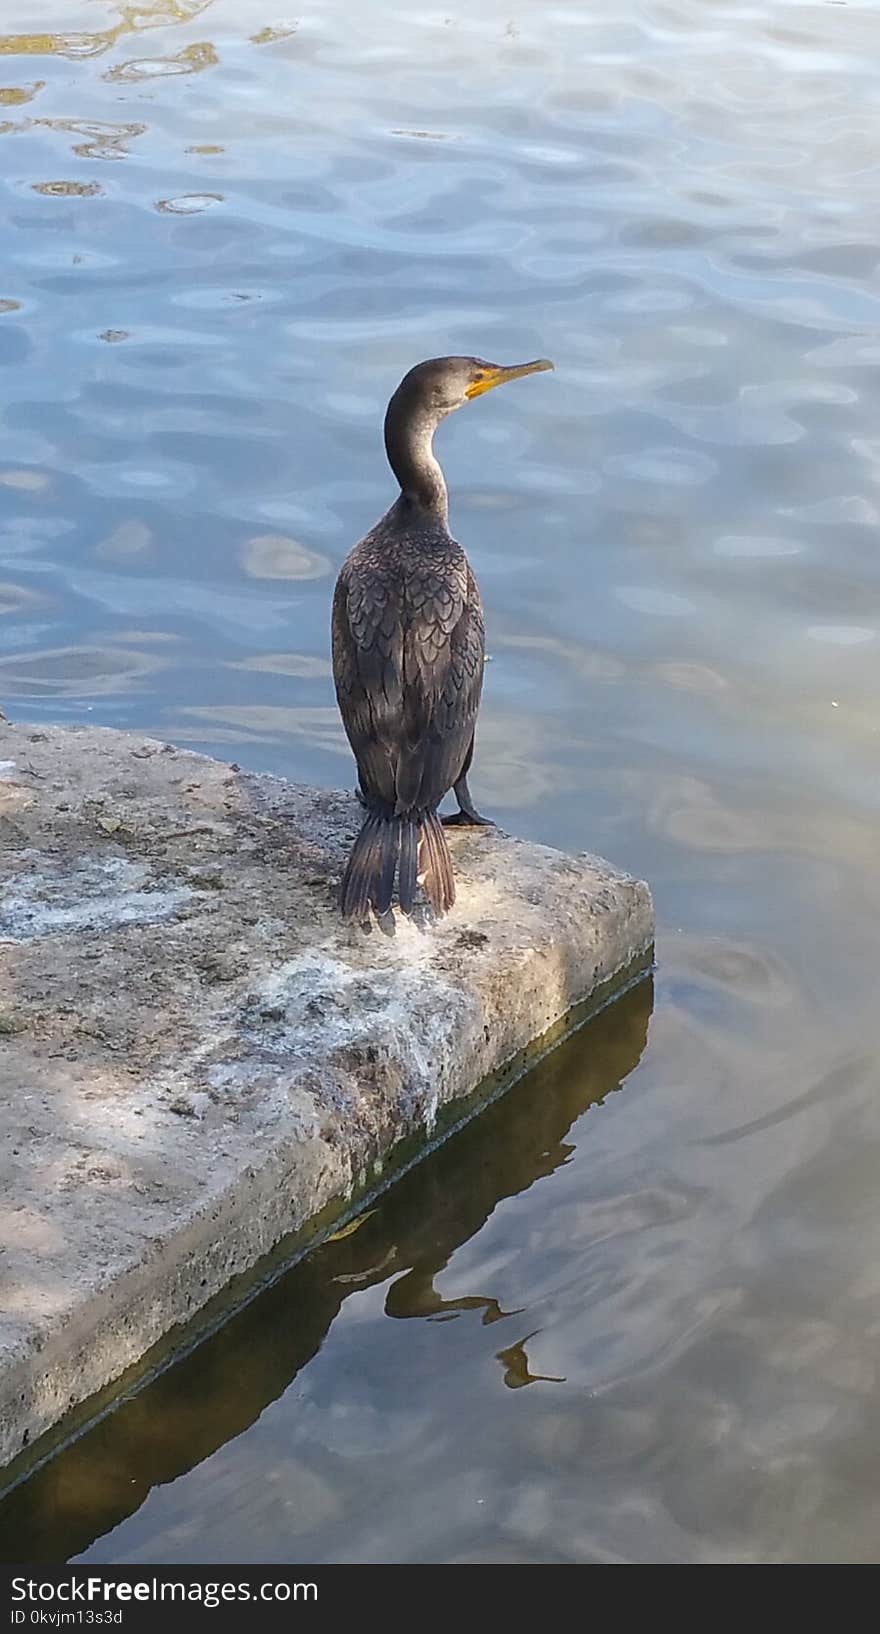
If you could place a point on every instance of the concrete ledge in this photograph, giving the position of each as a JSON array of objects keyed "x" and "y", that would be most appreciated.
[{"x": 197, "y": 1057}]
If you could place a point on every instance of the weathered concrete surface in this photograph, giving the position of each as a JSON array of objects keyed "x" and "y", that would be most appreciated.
[{"x": 196, "y": 1056}]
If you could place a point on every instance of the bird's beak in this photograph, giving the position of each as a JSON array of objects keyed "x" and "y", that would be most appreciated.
[{"x": 497, "y": 374}]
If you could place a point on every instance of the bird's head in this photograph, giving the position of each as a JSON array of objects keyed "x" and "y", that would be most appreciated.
[
  {"x": 441, "y": 384},
  {"x": 424, "y": 397}
]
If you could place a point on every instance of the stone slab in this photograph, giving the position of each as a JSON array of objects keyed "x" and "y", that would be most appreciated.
[{"x": 197, "y": 1057}]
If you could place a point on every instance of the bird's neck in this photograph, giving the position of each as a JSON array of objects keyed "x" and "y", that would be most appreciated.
[{"x": 409, "y": 437}]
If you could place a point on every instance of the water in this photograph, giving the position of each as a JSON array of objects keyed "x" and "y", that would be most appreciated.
[{"x": 643, "y": 1330}]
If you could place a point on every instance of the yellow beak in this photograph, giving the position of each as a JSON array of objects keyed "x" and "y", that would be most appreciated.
[{"x": 497, "y": 374}]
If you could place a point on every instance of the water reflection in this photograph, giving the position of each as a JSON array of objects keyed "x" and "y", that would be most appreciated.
[
  {"x": 189, "y": 204},
  {"x": 130, "y": 541},
  {"x": 73, "y": 672},
  {"x": 104, "y": 140},
  {"x": 193, "y": 59},
  {"x": 69, "y": 190},
  {"x": 272, "y": 556},
  {"x": 132, "y": 19},
  {"x": 12, "y": 96},
  {"x": 269, "y": 34},
  {"x": 410, "y": 1238}
]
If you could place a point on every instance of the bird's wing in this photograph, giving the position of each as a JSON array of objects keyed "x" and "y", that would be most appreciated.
[
  {"x": 368, "y": 672},
  {"x": 443, "y": 670},
  {"x": 408, "y": 653}
]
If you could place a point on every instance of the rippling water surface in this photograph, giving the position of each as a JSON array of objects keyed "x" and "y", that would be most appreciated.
[{"x": 641, "y": 1330}]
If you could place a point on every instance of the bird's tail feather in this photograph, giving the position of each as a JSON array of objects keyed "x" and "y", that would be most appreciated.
[
  {"x": 436, "y": 870},
  {"x": 373, "y": 858},
  {"x": 407, "y": 874},
  {"x": 412, "y": 848}
]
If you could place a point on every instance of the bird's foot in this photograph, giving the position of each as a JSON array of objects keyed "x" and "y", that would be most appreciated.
[
  {"x": 467, "y": 815},
  {"x": 466, "y": 819}
]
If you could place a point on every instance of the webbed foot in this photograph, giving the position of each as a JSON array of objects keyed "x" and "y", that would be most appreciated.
[
  {"x": 467, "y": 815},
  {"x": 466, "y": 819}
]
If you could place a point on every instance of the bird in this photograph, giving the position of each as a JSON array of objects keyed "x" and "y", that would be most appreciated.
[{"x": 408, "y": 649}]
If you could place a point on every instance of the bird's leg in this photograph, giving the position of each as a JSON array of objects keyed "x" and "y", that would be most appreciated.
[{"x": 467, "y": 815}]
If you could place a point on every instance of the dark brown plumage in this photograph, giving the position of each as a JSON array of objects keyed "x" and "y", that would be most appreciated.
[{"x": 408, "y": 654}]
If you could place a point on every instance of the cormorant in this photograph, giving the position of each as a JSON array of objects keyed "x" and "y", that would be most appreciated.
[{"x": 408, "y": 653}]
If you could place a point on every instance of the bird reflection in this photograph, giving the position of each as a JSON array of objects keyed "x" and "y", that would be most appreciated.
[
  {"x": 222, "y": 1387},
  {"x": 516, "y": 1365}
]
